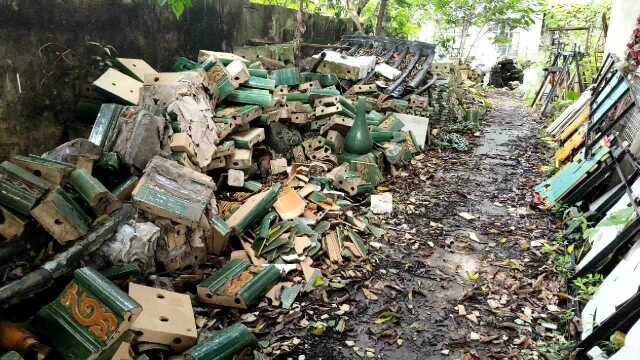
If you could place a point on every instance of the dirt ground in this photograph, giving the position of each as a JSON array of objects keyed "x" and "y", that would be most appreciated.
[{"x": 462, "y": 233}]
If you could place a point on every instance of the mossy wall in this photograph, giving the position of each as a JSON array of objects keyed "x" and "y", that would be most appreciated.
[{"x": 49, "y": 53}]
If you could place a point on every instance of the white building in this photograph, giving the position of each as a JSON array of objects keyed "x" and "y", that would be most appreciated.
[
  {"x": 523, "y": 44},
  {"x": 621, "y": 24}
]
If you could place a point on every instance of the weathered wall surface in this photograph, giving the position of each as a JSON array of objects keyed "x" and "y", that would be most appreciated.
[
  {"x": 624, "y": 14},
  {"x": 47, "y": 61}
]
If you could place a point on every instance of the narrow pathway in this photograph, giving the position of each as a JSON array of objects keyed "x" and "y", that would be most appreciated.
[{"x": 461, "y": 270}]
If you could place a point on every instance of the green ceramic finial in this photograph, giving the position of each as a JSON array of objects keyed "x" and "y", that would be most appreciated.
[{"x": 358, "y": 140}]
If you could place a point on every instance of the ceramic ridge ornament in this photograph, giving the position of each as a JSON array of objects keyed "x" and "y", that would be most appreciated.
[{"x": 358, "y": 140}]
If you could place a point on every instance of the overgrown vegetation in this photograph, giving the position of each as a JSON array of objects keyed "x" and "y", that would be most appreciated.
[
  {"x": 582, "y": 24},
  {"x": 176, "y": 6},
  {"x": 405, "y": 18},
  {"x": 395, "y": 18},
  {"x": 587, "y": 286},
  {"x": 557, "y": 349},
  {"x": 615, "y": 343},
  {"x": 563, "y": 251},
  {"x": 463, "y": 15}
]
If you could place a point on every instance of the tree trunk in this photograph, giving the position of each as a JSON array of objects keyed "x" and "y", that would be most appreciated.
[
  {"x": 463, "y": 35},
  {"x": 300, "y": 30},
  {"x": 481, "y": 33},
  {"x": 382, "y": 13},
  {"x": 355, "y": 12}
]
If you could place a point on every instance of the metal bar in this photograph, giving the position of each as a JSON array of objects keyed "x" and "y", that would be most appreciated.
[
  {"x": 606, "y": 91},
  {"x": 627, "y": 186},
  {"x": 601, "y": 72},
  {"x": 422, "y": 74},
  {"x": 372, "y": 72},
  {"x": 64, "y": 262},
  {"x": 391, "y": 89},
  {"x": 544, "y": 83},
  {"x": 354, "y": 49},
  {"x": 554, "y": 88},
  {"x": 579, "y": 73},
  {"x": 425, "y": 87},
  {"x": 574, "y": 28},
  {"x": 403, "y": 53},
  {"x": 321, "y": 58}
]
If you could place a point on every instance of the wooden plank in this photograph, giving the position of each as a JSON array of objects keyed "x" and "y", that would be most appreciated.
[
  {"x": 578, "y": 121},
  {"x": 555, "y": 188},
  {"x": 609, "y": 102},
  {"x": 570, "y": 146}
]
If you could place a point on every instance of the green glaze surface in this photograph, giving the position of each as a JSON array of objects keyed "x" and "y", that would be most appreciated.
[
  {"x": 223, "y": 345},
  {"x": 358, "y": 140},
  {"x": 89, "y": 316}
]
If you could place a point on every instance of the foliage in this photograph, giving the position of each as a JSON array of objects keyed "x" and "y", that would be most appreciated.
[
  {"x": 558, "y": 349},
  {"x": 335, "y": 8},
  {"x": 615, "y": 343},
  {"x": 517, "y": 13},
  {"x": 587, "y": 286},
  {"x": 567, "y": 315},
  {"x": 502, "y": 39},
  {"x": 578, "y": 15},
  {"x": 575, "y": 225},
  {"x": 574, "y": 15},
  {"x": 403, "y": 19},
  {"x": 560, "y": 209},
  {"x": 465, "y": 14},
  {"x": 564, "y": 266},
  {"x": 177, "y": 6},
  {"x": 451, "y": 141}
]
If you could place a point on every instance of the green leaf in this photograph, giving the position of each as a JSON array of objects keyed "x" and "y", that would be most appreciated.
[
  {"x": 386, "y": 316},
  {"x": 319, "y": 329},
  {"x": 178, "y": 9}
]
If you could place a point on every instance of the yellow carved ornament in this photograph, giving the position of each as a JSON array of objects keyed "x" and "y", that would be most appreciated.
[{"x": 90, "y": 313}]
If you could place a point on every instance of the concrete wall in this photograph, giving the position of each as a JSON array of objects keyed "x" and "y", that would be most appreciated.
[
  {"x": 47, "y": 61},
  {"x": 622, "y": 22}
]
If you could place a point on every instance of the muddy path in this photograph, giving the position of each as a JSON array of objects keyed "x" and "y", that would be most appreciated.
[{"x": 460, "y": 273}]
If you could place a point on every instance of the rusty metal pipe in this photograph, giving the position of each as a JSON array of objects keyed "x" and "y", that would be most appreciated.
[
  {"x": 396, "y": 85},
  {"x": 316, "y": 65},
  {"x": 400, "y": 58},
  {"x": 419, "y": 78},
  {"x": 372, "y": 72},
  {"x": 425, "y": 87}
]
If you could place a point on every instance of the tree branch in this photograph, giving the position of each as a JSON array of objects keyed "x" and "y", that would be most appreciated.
[
  {"x": 382, "y": 12},
  {"x": 354, "y": 16}
]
